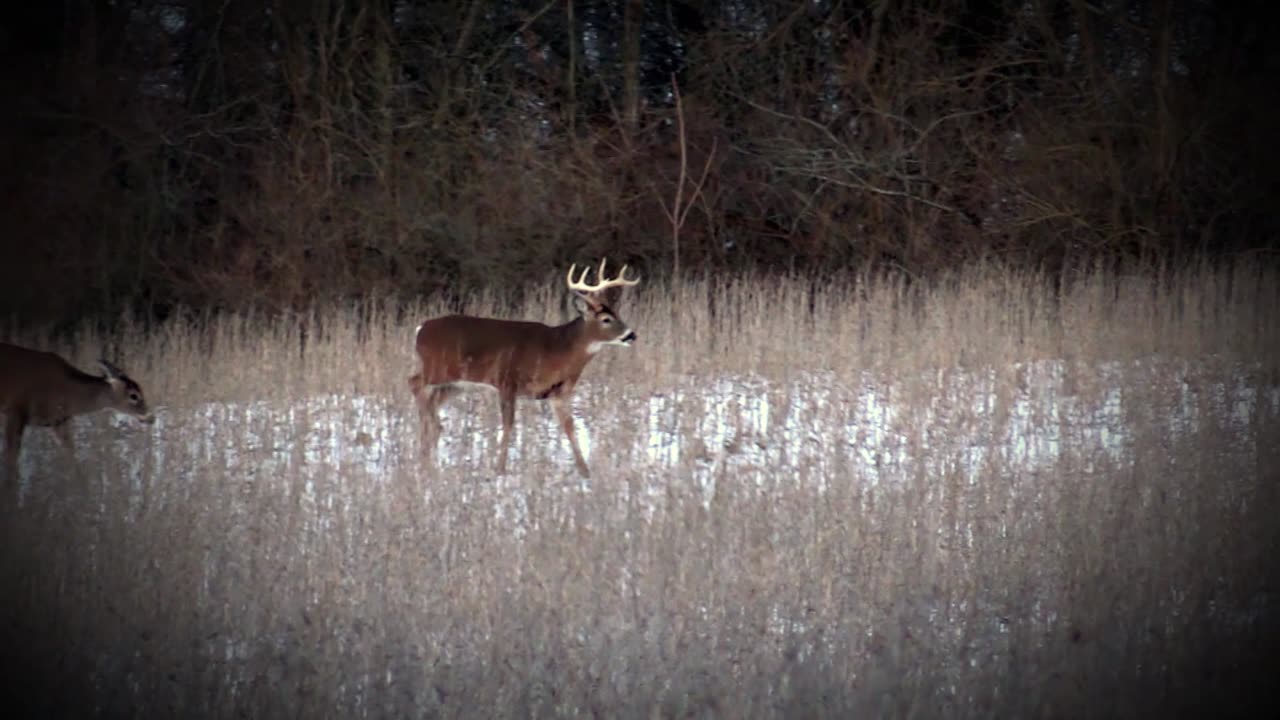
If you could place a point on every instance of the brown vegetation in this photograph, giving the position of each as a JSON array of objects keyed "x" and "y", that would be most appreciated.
[
  {"x": 272, "y": 548},
  {"x": 263, "y": 157}
]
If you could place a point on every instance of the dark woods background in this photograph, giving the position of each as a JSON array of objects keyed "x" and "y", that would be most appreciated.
[{"x": 236, "y": 153}]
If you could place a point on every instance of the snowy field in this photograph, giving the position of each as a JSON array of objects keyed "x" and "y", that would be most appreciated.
[
  {"x": 870, "y": 510},
  {"x": 816, "y": 427},
  {"x": 278, "y": 528}
]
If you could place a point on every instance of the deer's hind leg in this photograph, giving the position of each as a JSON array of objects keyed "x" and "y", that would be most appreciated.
[{"x": 429, "y": 399}]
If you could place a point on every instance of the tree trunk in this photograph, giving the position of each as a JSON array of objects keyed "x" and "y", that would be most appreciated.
[{"x": 631, "y": 29}]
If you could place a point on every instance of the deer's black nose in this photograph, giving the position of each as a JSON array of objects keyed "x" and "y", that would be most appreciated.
[{"x": 630, "y": 337}]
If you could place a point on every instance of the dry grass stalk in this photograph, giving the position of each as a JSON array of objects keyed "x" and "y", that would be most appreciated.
[{"x": 273, "y": 548}]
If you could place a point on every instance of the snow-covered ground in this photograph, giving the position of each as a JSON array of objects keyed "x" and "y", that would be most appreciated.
[
  {"x": 820, "y": 426},
  {"x": 815, "y": 428}
]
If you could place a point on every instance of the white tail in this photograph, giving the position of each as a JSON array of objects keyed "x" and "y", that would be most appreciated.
[
  {"x": 518, "y": 359},
  {"x": 42, "y": 389}
]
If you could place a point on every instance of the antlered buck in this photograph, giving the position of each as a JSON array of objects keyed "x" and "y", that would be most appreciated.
[
  {"x": 42, "y": 389},
  {"x": 518, "y": 359}
]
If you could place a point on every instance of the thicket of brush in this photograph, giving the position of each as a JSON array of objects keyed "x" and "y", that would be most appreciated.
[
  {"x": 216, "y": 567},
  {"x": 235, "y": 154}
]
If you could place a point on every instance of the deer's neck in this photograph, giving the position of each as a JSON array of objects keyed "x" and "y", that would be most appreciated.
[
  {"x": 569, "y": 339},
  {"x": 61, "y": 396},
  {"x": 86, "y": 393},
  {"x": 569, "y": 335}
]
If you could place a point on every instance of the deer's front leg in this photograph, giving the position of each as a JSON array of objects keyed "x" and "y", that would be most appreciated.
[
  {"x": 14, "y": 425},
  {"x": 508, "y": 401},
  {"x": 562, "y": 403}
]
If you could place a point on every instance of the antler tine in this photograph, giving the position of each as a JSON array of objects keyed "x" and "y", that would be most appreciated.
[
  {"x": 580, "y": 285},
  {"x": 621, "y": 279}
]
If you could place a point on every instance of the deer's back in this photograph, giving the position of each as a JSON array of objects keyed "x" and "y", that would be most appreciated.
[{"x": 32, "y": 379}]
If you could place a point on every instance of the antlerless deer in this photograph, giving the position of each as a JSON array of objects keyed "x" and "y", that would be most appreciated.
[{"x": 42, "y": 389}]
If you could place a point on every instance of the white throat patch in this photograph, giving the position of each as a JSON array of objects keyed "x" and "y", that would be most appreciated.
[{"x": 598, "y": 345}]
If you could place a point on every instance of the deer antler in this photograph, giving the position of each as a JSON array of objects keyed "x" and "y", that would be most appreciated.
[{"x": 581, "y": 286}]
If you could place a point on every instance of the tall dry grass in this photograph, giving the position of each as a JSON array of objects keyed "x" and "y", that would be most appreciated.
[{"x": 272, "y": 548}]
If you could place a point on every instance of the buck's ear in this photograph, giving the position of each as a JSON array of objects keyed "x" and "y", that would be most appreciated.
[
  {"x": 581, "y": 304},
  {"x": 111, "y": 371}
]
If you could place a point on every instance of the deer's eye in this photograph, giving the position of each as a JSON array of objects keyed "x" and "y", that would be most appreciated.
[
  {"x": 606, "y": 320},
  {"x": 133, "y": 397}
]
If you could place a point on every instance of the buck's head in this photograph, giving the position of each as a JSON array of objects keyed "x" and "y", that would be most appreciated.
[
  {"x": 126, "y": 397},
  {"x": 603, "y": 326}
]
